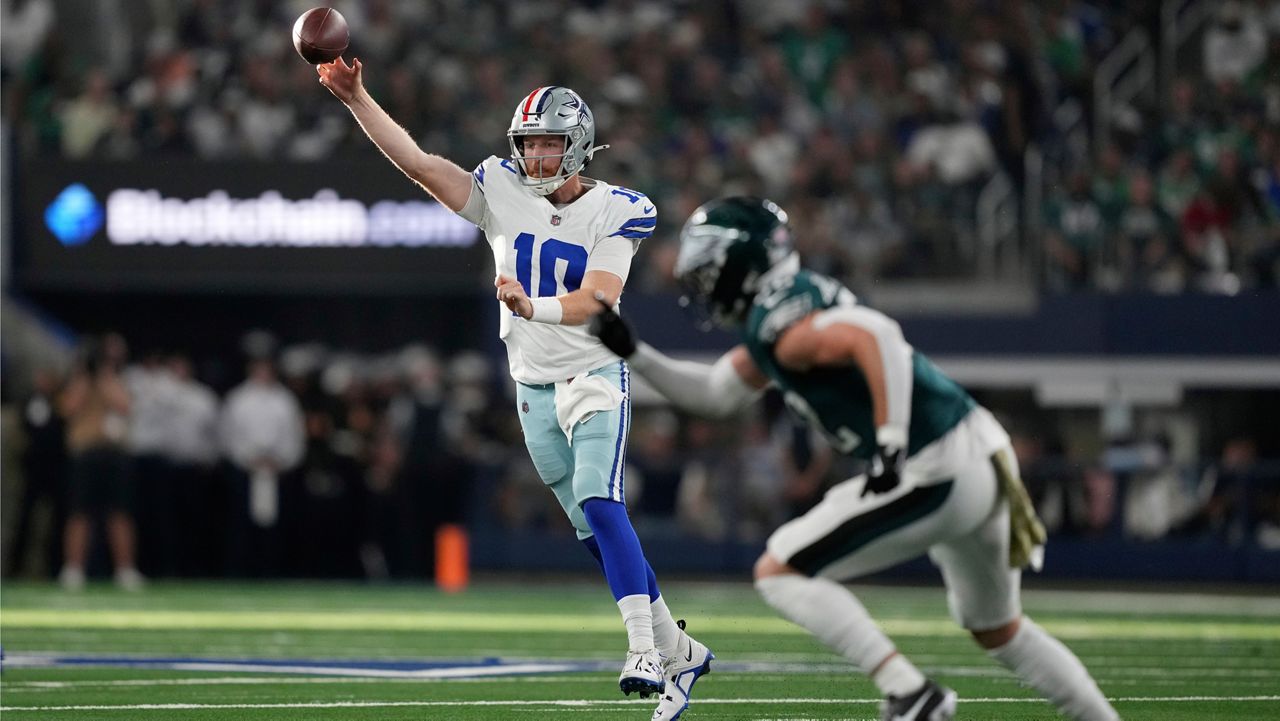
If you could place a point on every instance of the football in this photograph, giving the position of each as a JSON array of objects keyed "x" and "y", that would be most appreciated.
[{"x": 321, "y": 35}]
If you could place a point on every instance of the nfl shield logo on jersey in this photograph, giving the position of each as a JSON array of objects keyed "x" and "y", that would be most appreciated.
[
  {"x": 524, "y": 406},
  {"x": 555, "y": 220}
]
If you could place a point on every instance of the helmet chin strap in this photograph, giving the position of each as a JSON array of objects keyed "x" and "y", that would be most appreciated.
[
  {"x": 543, "y": 186},
  {"x": 592, "y": 152},
  {"x": 549, "y": 186}
]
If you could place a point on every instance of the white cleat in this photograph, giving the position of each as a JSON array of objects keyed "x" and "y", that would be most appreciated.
[
  {"x": 930, "y": 703},
  {"x": 691, "y": 662},
  {"x": 642, "y": 673}
]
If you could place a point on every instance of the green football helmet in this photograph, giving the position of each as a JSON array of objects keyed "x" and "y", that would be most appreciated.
[{"x": 726, "y": 247}]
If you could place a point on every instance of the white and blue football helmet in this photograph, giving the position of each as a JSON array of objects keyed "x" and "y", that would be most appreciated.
[{"x": 553, "y": 110}]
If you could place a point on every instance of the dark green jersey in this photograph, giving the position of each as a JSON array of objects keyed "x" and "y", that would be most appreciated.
[{"x": 837, "y": 400}]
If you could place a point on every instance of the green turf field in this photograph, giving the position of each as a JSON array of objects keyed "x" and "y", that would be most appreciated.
[{"x": 319, "y": 651}]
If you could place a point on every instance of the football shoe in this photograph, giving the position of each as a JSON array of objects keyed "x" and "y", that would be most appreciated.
[
  {"x": 642, "y": 673},
  {"x": 691, "y": 662}
]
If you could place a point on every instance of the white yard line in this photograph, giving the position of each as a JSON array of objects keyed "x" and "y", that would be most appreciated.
[
  {"x": 34, "y": 686},
  {"x": 958, "y": 671}
]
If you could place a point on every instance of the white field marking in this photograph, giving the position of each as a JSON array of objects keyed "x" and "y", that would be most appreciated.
[
  {"x": 1113, "y": 676},
  {"x": 426, "y": 673},
  {"x": 585, "y": 703},
  {"x": 28, "y": 686}
]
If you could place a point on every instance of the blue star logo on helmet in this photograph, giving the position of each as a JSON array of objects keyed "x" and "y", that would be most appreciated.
[{"x": 75, "y": 215}]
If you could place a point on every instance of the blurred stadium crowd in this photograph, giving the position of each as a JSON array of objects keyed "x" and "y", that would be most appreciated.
[
  {"x": 322, "y": 462},
  {"x": 877, "y": 124}
]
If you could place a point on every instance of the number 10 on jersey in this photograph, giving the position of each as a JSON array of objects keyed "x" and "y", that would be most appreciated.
[{"x": 549, "y": 254}]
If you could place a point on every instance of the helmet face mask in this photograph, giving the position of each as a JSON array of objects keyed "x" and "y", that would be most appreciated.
[
  {"x": 726, "y": 248},
  {"x": 699, "y": 285},
  {"x": 559, "y": 111}
]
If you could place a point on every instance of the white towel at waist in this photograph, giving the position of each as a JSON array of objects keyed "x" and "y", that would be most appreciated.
[{"x": 579, "y": 399}]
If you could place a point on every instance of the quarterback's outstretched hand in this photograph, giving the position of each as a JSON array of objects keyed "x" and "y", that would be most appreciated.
[
  {"x": 886, "y": 470},
  {"x": 341, "y": 79},
  {"x": 614, "y": 332}
]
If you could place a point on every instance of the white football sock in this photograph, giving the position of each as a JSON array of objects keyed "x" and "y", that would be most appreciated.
[
  {"x": 638, "y": 619},
  {"x": 898, "y": 677},
  {"x": 838, "y": 619},
  {"x": 666, "y": 634},
  {"x": 1050, "y": 668}
]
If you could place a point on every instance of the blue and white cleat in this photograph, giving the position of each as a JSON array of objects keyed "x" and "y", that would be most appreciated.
[
  {"x": 642, "y": 673},
  {"x": 691, "y": 662}
]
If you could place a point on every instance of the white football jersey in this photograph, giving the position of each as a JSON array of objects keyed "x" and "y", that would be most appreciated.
[{"x": 549, "y": 250}]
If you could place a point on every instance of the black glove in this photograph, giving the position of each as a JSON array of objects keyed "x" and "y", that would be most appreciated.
[
  {"x": 885, "y": 471},
  {"x": 614, "y": 332}
]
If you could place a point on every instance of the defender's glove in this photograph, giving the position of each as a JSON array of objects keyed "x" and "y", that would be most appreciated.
[
  {"x": 614, "y": 332},
  {"x": 886, "y": 470}
]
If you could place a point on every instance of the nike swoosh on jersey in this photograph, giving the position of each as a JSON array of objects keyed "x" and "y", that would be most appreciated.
[{"x": 648, "y": 209}]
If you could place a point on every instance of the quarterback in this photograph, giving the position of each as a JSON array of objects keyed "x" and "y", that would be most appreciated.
[
  {"x": 559, "y": 241},
  {"x": 943, "y": 479}
]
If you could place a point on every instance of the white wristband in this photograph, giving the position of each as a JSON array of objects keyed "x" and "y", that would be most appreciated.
[{"x": 546, "y": 310}]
